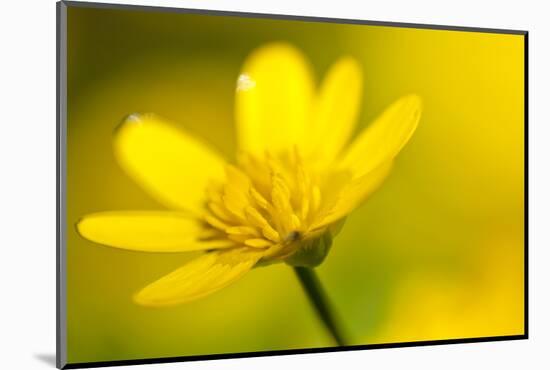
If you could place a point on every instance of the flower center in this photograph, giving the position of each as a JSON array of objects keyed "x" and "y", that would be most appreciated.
[{"x": 267, "y": 202}]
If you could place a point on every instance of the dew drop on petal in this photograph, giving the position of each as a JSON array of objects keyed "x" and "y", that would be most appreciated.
[
  {"x": 133, "y": 118},
  {"x": 245, "y": 83}
]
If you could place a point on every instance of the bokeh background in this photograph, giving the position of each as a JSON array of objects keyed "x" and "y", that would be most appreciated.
[{"x": 436, "y": 253}]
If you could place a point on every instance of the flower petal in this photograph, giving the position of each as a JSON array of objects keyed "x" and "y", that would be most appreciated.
[
  {"x": 173, "y": 166},
  {"x": 273, "y": 99},
  {"x": 382, "y": 140},
  {"x": 200, "y": 277},
  {"x": 336, "y": 109},
  {"x": 147, "y": 231},
  {"x": 352, "y": 195}
]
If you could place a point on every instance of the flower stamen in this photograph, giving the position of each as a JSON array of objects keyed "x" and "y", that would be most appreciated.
[{"x": 266, "y": 202}]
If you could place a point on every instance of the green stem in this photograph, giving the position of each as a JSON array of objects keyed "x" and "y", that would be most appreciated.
[{"x": 318, "y": 298}]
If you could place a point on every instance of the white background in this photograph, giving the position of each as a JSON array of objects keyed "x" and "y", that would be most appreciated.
[{"x": 27, "y": 182}]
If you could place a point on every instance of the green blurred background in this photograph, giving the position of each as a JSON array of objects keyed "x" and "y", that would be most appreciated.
[{"x": 436, "y": 253}]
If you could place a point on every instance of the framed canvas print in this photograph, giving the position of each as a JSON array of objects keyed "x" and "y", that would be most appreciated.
[{"x": 234, "y": 184}]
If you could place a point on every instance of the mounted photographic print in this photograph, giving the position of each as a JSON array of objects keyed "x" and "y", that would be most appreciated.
[{"x": 234, "y": 184}]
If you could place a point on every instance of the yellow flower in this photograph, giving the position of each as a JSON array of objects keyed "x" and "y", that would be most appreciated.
[{"x": 294, "y": 181}]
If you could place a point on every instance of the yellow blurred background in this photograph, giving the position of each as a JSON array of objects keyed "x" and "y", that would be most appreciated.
[{"x": 436, "y": 253}]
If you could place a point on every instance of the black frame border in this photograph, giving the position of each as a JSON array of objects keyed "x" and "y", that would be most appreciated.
[{"x": 61, "y": 120}]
